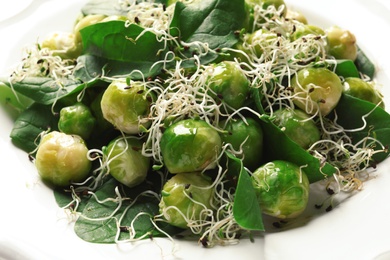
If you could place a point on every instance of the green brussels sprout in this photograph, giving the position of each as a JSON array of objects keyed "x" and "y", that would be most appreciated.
[
  {"x": 228, "y": 82},
  {"x": 261, "y": 40},
  {"x": 316, "y": 90},
  {"x": 282, "y": 189},
  {"x": 250, "y": 6},
  {"x": 77, "y": 120},
  {"x": 296, "y": 15},
  {"x": 125, "y": 161},
  {"x": 127, "y": 106},
  {"x": 364, "y": 90},
  {"x": 185, "y": 197},
  {"x": 341, "y": 43},
  {"x": 298, "y": 126},
  {"x": 306, "y": 29},
  {"x": 63, "y": 44},
  {"x": 248, "y": 136},
  {"x": 189, "y": 146},
  {"x": 62, "y": 159}
]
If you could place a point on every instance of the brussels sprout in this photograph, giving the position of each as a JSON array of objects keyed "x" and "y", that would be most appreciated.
[
  {"x": 364, "y": 90},
  {"x": 306, "y": 29},
  {"x": 282, "y": 189},
  {"x": 184, "y": 197},
  {"x": 261, "y": 40},
  {"x": 62, "y": 159},
  {"x": 296, "y": 15},
  {"x": 126, "y": 106},
  {"x": 250, "y": 6},
  {"x": 126, "y": 162},
  {"x": 229, "y": 83},
  {"x": 190, "y": 145},
  {"x": 298, "y": 126},
  {"x": 341, "y": 43},
  {"x": 77, "y": 120},
  {"x": 248, "y": 136},
  {"x": 316, "y": 90},
  {"x": 62, "y": 44}
]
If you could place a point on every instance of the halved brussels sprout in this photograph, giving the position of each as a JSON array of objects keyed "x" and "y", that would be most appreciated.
[
  {"x": 125, "y": 161},
  {"x": 282, "y": 189},
  {"x": 62, "y": 159},
  {"x": 185, "y": 198},
  {"x": 190, "y": 145}
]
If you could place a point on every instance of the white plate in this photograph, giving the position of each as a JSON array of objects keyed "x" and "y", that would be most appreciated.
[{"x": 32, "y": 227}]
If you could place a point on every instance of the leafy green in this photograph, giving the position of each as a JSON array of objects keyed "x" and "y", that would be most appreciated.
[
  {"x": 246, "y": 209},
  {"x": 118, "y": 49},
  {"x": 105, "y": 231},
  {"x": 364, "y": 64},
  {"x": 280, "y": 147},
  {"x": 347, "y": 68},
  {"x": 30, "y": 123},
  {"x": 46, "y": 90},
  {"x": 350, "y": 113}
]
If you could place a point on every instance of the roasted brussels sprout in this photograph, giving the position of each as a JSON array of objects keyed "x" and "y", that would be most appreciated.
[
  {"x": 77, "y": 120},
  {"x": 186, "y": 197},
  {"x": 62, "y": 159},
  {"x": 62, "y": 44},
  {"x": 298, "y": 126},
  {"x": 126, "y": 106},
  {"x": 316, "y": 90},
  {"x": 125, "y": 161},
  {"x": 190, "y": 145},
  {"x": 282, "y": 189},
  {"x": 306, "y": 29}
]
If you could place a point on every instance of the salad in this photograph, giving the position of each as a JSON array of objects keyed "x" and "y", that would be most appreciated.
[{"x": 154, "y": 118}]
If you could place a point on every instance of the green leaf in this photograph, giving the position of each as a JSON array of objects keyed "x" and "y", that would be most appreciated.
[
  {"x": 364, "y": 64},
  {"x": 347, "y": 68},
  {"x": 206, "y": 21},
  {"x": 45, "y": 90},
  {"x": 350, "y": 112},
  {"x": 104, "y": 231},
  {"x": 114, "y": 40},
  {"x": 246, "y": 209},
  {"x": 30, "y": 123},
  {"x": 280, "y": 147}
]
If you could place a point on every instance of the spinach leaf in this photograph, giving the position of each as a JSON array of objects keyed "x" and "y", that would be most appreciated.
[
  {"x": 206, "y": 21},
  {"x": 118, "y": 49},
  {"x": 246, "y": 209},
  {"x": 30, "y": 123},
  {"x": 347, "y": 68},
  {"x": 46, "y": 90},
  {"x": 364, "y": 64},
  {"x": 104, "y": 231},
  {"x": 279, "y": 147},
  {"x": 350, "y": 112}
]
